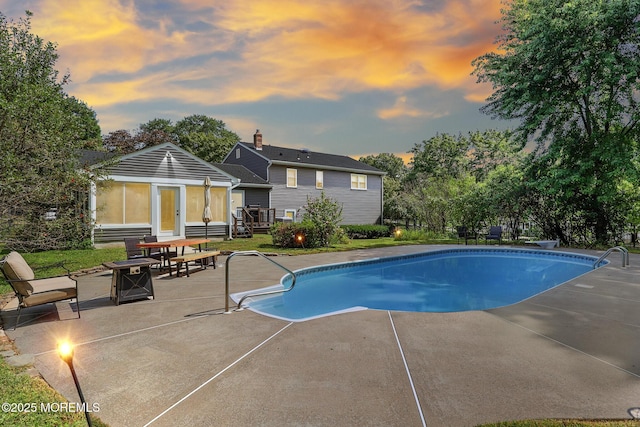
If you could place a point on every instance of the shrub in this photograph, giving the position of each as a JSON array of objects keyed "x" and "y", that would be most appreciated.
[
  {"x": 366, "y": 231},
  {"x": 325, "y": 214},
  {"x": 409, "y": 235},
  {"x": 295, "y": 235}
]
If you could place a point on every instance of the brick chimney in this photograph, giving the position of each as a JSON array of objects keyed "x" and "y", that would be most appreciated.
[{"x": 257, "y": 140}]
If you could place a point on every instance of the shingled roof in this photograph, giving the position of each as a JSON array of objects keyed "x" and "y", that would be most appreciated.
[
  {"x": 247, "y": 178},
  {"x": 291, "y": 156}
]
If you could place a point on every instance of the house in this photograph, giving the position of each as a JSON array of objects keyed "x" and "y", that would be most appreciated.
[
  {"x": 297, "y": 174},
  {"x": 158, "y": 191}
]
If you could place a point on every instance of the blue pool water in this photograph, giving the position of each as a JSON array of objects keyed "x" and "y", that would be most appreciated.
[{"x": 439, "y": 281}]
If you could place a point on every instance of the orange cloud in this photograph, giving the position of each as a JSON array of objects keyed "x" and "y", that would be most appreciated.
[
  {"x": 403, "y": 109},
  {"x": 286, "y": 48}
]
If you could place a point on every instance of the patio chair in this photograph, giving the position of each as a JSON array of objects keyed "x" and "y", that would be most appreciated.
[
  {"x": 495, "y": 233},
  {"x": 133, "y": 251},
  {"x": 464, "y": 233},
  {"x": 157, "y": 253},
  {"x": 31, "y": 291}
]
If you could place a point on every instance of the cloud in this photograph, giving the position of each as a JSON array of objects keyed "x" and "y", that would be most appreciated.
[
  {"x": 402, "y": 108},
  {"x": 209, "y": 53}
]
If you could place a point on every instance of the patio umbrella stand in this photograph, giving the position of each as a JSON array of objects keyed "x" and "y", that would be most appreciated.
[{"x": 206, "y": 213}]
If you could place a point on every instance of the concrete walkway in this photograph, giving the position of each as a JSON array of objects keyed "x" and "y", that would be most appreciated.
[{"x": 176, "y": 360}]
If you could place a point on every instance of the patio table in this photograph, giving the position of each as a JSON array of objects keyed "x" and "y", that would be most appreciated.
[{"x": 176, "y": 243}]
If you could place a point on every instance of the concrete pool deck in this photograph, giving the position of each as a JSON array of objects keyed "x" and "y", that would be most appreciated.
[{"x": 571, "y": 352}]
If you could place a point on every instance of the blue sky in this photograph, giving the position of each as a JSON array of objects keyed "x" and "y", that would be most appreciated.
[{"x": 344, "y": 77}]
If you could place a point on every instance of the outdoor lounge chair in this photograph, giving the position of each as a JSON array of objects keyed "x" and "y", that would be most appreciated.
[
  {"x": 464, "y": 233},
  {"x": 495, "y": 233},
  {"x": 30, "y": 291}
]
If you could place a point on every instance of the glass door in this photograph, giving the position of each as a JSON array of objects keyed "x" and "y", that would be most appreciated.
[
  {"x": 237, "y": 202},
  {"x": 169, "y": 201}
]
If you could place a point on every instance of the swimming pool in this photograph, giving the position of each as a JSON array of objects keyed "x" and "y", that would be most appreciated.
[{"x": 437, "y": 281}]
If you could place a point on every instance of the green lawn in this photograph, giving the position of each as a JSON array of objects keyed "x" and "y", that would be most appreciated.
[{"x": 29, "y": 401}]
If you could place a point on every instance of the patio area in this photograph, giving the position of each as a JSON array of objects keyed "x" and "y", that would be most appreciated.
[{"x": 177, "y": 360}]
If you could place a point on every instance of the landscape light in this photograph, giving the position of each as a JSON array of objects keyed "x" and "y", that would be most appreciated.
[{"x": 65, "y": 351}]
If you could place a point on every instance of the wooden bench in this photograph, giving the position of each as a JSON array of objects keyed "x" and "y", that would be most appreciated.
[{"x": 195, "y": 256}]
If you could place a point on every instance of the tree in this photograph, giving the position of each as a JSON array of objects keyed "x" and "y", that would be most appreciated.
[
  {"x": 88, "y": 129},
  {"x": 505, "y": 196},
  {"x": 122, "y": 141},
  {"x": 391, "y": 183},
  {"x": 390, "y": 163},
  {"x": 119, "y": 141},
  {"x": 325, "y": 214},
  {"x": 163, "y": 125},
  {"x": 42, "y": 130},
  {"x": 205, "y": 137},
  {"x": 441, "y": 156},
  {"x": 447, "y": 173},
  {"x": 570, "y": 72}
]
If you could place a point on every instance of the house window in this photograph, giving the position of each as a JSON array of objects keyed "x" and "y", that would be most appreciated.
[
  {"x": 292, "y": 178},
  {"x": 237, "y": 153},
  {"x": 195, "y": 203},
  {"x": 319, "y": 180},
  {"x": 290, "y": 213},
  {"x": 358, "y": 181},
  {"x": 123, "y": 203}
]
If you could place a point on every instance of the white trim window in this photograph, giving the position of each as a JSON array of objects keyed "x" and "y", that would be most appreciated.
[
  {"x": 319, "y": 180},
  {"x": 292, "y": 178},
  {"x": 358, "y": 181}
]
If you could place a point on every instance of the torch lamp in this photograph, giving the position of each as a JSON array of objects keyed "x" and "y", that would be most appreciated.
[{"x": 65, "y": 351}]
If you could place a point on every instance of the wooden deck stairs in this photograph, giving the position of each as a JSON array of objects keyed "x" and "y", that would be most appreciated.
[{"x": 253, "y": 220}]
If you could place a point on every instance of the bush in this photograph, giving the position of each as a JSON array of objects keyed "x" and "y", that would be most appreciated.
[
  {"x": 422, "y": 235},
  {"x": 296, "y": 235},
  {"x": 366, "y": 231},
  {"x": 325, "y": 214}
]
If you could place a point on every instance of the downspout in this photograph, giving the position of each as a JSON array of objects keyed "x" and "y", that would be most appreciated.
[
  {"x": 234, "y": 185},
  {"x": 92, "y": 210},
  {"x": 381, "y": 199}
]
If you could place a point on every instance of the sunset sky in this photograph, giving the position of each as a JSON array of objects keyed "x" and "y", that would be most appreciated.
[{"x": 336, "y": 76}]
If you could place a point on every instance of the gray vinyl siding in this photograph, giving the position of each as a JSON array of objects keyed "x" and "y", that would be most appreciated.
[
  {"x": 256, "y": 196},
  {"x": 212, "y": 230},
  {"x": 106, "y": 235},
  {"x": 358, "y": 206},
  {"x": 249, "y": 159}
]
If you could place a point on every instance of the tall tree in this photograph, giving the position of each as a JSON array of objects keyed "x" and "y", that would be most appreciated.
[
  {"x": 42, "y": 130},
  {"x": 396, "y": 170},
  {"x": 205, "y": 137},
  {"x": 570, "y": 72},
  {"x": 441, "y": 156},
  {"x": 388, "y": 162}
]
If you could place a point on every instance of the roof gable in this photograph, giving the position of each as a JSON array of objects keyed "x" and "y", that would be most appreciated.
[
  {"x": 164, "y": 161},
  {"x": 244, "y": 174}
]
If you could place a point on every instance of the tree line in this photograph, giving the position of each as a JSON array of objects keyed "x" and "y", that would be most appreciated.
[{"x": 487, "y": 178}]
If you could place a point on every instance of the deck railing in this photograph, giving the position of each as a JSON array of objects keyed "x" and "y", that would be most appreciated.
[{"x": 252, "y": 219}]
